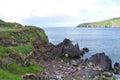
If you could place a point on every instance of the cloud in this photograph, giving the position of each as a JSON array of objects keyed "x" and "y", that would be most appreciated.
[{"x": 58, "y": 12}]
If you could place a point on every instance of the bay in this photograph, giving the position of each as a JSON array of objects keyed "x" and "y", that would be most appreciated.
[{"x": 96, "y": 39}]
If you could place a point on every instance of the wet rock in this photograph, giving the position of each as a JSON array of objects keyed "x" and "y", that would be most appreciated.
[
  {"x": 117, "y": 68},
  {"x": 101, "y": 60}
]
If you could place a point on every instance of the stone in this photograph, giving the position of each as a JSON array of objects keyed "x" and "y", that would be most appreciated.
[
  {"x": 27, "y": 63},
  {"x": 74, "y": 63},
  {"x": 107, "y": 74},
  {"x": 86, "y": 49},
  {"x": 67, "y": 48},
  {"x": 116, "y": 68},
  {"x": 88, "y": 72},
  {"x": 29, "y": 77},
  {"x": 101, "y": 60}
]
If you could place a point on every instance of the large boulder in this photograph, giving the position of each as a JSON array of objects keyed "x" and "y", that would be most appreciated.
[{"x": 101, "y": 60}]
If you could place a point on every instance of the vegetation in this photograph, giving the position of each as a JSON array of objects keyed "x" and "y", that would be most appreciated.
[
  {"x": 114, "y": 22},
  {"x": 14, "y": 71},
  {"x": 17, "y": 38}
]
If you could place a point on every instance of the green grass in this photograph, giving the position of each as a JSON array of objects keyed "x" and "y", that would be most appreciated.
[
  {"x": 5, "y": 75},
  {"x": 14, "y": 71},
  {"x": 22, "y": 49},
  {"x": 3, "y": 51}
]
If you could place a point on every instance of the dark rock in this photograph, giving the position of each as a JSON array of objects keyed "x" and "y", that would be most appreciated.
[
  {"x": 63, "y": 49},
  {"x": 117, "y": 68},
  {"x": 101, "y": 60},
  {"x": 86, "y": 49},
  {"x": 82, "y": 52},
  {"x": 68, "y": 48},
  {"x": 66, "y": 41}
]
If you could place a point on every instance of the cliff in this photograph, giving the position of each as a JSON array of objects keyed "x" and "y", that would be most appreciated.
[{"x": 15, "y": 48}]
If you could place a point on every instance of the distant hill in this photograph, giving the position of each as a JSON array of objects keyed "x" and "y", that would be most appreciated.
[{"x": 114, "y": 22}]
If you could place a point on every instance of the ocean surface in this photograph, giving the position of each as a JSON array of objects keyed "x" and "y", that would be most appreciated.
[{"x": 98, "y": 40}]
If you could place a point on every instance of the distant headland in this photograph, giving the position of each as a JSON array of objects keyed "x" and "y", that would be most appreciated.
[{"x": 109, "y": 23}]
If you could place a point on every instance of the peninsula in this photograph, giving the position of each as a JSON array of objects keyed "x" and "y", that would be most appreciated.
[{"x": 110, "y": 23}]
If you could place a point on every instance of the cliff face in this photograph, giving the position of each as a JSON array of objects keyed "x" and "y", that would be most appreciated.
[
  {"x": 15, "y": 47},
  {"x": 114, "y": 22}
]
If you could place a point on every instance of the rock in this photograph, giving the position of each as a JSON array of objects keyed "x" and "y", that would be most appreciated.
[
  {"x": 82, "y": 52},
  {"x": 27, "y": 63},
  {"x": 107, "y": 74},
  {"x": 86, "y": 49},
  {"x": 29, "y": 77},
  {"x": 66, "y": 41},
  {"x": 66, "y": 47},
  {"x": 88, "y": 72},
  {"x": 74, "y": 63},
  {"x": 63, "y": 49},
  {"x": 101, "y": 60},
  {"x": 116, "y": 68},
  {"x": 16, "y": 57}
]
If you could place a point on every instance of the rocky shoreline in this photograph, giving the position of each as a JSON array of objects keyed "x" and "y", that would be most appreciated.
[{"x": 65, "y": 62}]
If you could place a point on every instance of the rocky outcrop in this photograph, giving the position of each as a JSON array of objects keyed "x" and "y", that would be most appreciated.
[
  {"x": 101, "y": 60},
  {"x": 116, "y": 68},
  {"x": 68, "y": 49},
  {"x": 63, "y": 49}
]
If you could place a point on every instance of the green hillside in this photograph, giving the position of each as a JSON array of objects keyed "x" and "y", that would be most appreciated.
[
  {"x": 16, "y": 40},
  {"x": 114, "y": 22}
]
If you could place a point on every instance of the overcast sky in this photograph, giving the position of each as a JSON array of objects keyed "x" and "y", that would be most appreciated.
[{"x": 53, "y": 13}]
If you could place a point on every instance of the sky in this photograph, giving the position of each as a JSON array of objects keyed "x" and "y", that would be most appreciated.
[{"x": 58, "y": 13}]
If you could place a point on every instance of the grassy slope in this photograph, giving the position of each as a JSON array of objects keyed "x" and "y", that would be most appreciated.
[
  {"x": 22, "y": 36},
  {"x": 115, "y": 22}
]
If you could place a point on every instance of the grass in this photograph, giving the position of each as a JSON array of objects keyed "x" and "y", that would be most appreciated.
[
  {"x": 14, "y": 71},
  {"x": 22, "y": 49}
]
